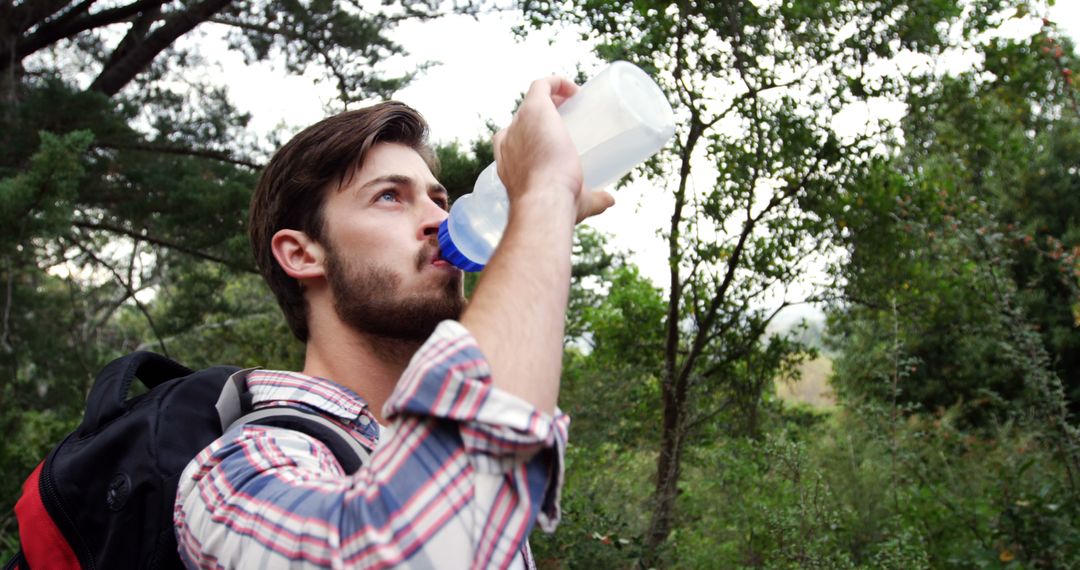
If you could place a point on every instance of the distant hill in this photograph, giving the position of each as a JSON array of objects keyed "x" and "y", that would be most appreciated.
[
  {"x": 804, "y": 323},
  {"x": 813, "y": 386}
]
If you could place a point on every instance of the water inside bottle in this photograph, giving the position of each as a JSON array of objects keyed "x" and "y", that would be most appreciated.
[{"x": 610, "y": 160}]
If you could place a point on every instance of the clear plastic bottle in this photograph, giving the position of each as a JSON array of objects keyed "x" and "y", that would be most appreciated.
[{"x": 617, "y": 120}]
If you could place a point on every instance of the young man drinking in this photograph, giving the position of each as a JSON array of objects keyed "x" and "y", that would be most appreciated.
[{"x": 457, "y": 400}]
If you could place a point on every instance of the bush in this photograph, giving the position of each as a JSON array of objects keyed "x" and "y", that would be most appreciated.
[
  {"x": 858, "y": 489},
  {"x": 605, "y": 509}
]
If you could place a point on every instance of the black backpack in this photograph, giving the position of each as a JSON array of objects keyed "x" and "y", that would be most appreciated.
[{"x": 103, "y": 497}]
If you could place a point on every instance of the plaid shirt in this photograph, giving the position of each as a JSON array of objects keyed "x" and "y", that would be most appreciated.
[{"x": 457, "y": 483}]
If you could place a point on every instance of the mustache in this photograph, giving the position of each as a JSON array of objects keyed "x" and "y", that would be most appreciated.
[{"x": 423, "y": 257}]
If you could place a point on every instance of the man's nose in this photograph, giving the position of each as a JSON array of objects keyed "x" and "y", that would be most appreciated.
[{"x": 433, "y": 215}]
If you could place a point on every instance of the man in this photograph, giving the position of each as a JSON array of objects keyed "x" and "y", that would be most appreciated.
[{"x": 461, "y": 413}]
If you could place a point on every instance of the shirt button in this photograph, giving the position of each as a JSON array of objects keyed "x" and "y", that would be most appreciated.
[{"x": 364, "y": 420}]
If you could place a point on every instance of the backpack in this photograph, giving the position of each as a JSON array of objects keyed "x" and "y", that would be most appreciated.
[{"x": 103, "y": 497}]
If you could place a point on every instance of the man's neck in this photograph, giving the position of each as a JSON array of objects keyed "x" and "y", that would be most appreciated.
[{"x": 367, "y": 365}]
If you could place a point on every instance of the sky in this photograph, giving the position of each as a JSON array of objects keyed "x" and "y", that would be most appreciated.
[{"x": 481, "y": 71}]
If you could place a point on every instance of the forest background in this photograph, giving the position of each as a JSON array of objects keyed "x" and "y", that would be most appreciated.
[{"x": 941, "y": 239}]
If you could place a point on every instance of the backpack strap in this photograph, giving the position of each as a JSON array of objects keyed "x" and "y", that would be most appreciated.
[
  {"x": 234, "y": 408},
  {"x": 17, "y": 562},
  {"x": 234, "y": 400},
  {"x": 108, "y": 397},
  {"x": 346, "y": 449}
]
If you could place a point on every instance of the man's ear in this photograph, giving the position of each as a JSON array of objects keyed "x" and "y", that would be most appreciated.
[{"x": 298, "y": 255}]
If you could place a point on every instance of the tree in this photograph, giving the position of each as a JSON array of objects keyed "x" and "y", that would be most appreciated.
[
  {"x": 757, "y": 87},
  {"x": 346, "y": 38},
  {"x": 961, "y": 278},
  {"x": 979, "y": 204},
  {"x": 125, "y": 176},
  {"x": 159, "y": 165}
]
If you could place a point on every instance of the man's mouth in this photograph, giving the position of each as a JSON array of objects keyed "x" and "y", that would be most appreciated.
[{"x": 433, "y": 256}]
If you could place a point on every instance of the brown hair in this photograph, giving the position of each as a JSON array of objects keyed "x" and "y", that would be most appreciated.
[{"x": 292, "y": 190}]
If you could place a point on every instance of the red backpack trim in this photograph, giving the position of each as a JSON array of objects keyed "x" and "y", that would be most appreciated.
[{"x": 43, "y": 545}]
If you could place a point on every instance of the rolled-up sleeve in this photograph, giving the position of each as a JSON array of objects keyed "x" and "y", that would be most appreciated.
[
  {"x": 450, "y": 378},
  {"x": 465, "y": 473}
]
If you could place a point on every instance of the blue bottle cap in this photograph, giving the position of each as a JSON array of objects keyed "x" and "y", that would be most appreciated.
[{"x": 451, "y": 253}]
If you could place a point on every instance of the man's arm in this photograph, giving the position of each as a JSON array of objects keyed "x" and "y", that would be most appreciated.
[{"x": 518, "y": 311}]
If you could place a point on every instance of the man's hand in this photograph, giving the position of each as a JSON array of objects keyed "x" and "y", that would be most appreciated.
[
  {"x": 535, "y": 153},
  {"x": 518, "y": 311}
]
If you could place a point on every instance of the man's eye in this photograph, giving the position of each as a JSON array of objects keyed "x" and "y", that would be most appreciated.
[{"x": 388, "y": 196}]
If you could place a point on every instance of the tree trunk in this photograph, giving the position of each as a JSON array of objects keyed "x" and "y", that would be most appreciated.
[
  {"x": 674, "y": 382},
  {"x": 10, "y": 68},
  {"x": 668, "y": 471}
]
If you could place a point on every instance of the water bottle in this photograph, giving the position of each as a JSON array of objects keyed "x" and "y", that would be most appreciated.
[{"x": 617, "y": 120}]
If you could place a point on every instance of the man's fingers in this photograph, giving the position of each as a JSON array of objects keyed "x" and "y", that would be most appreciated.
[
  {"x": 556, "y": 88},
  {"x": 594, "y": 203}
]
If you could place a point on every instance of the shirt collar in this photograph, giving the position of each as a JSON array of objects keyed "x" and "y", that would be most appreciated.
[{"x": 322, "y": 394}]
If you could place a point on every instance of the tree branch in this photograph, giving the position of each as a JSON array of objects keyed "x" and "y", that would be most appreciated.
[
  {"x": 135, "y": 36},
  {"x": 718, "y": 298},
  {"x": 734, "y": 21},
  {"x": 119, "y": 73},
  {"x": 163, "y": 243},
  {"x": 33, "y": 12},
  {"x": 7, "y": 306},
  {"x": 675, "y": 291},
  {"x": 66, "y": 16},
  {"x": 69, "y": 24},
  {"x": 131, "y": 291},
  {"x": 131, "y": 261},
  {"x": 693, "y": 423},
  {"x": 752, "y": 338},
  {"x": 261, "y": 28},
  {"x": 183, "y": 151},
  {"x": 704, "y": 332}
]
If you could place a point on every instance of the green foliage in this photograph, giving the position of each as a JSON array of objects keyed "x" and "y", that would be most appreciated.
[
  {"x": 963, "y": 241},
  {"x": 459, "y": 168},
  {"x": 610, "y": 380},
  {"x": 125, "y": 178},
  {"x": 604, "y": 509},
  {"x": 941, "y": 313},
  {"x": 955, "y": 332},
  {"x": 36, "y": 202},
  {"x": 625, "y": 325},
  {"x": 739, "y": 75},
  {"x": 325, "y": 32},
  {"x": 859, "y": 489},
  {"x": 240, "y": 324},
  {"x": 914, "y": 314},
  {"x": 30, "y": 437}
]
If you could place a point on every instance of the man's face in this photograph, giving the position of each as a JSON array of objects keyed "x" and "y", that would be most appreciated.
[{"x": 383, "y": 263}]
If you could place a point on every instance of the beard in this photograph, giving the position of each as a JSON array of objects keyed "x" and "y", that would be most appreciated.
[{"x": 367, "y": 298}]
